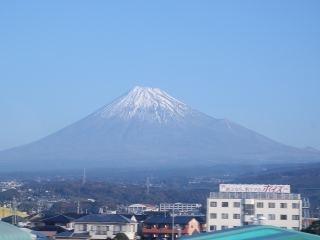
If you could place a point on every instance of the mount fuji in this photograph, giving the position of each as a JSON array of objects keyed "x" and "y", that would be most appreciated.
[{"x": 148, "y": 126}]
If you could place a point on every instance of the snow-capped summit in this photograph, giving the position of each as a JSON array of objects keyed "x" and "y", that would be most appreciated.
[{"x": 148, "y": 104}]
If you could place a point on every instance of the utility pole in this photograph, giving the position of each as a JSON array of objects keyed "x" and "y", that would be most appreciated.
[
  {"x": 172, "y": 238},
  {"x": 39, "y": 206},
  {"x": 78, "y": 208},
  {"x": 148, "y": 185},
  {"x": 84, "y": 176},
  {"x": 14, "y": 211}
]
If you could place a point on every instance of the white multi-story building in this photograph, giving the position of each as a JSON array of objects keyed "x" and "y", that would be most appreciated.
[
  {"x": 241, "y": 205},
  {"x": 182, "y": 207}
]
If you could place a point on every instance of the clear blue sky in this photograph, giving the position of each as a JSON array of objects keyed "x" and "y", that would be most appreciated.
[{"x": 256, "y": 63}]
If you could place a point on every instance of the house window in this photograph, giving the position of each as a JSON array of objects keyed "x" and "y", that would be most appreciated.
[
  {"x": 225, "y": 204},
  {"x": 236, "y": 204},
  {"x": 224, "y": 215},
  {"x": 224, "y": 227},
  {"x": 213, "y": 227},
  {"x": 248, "y": 209},
  {"x": 160, "y": 225},
  {"x": 271, "y": 216},
  {"x": 259, "y": 215},
  {"x": 102, "y": 230},
  {"x": 213, "y": 215},
  {"x": 271, "y": 205},
  {"x": 82, "y": 227},
  {"x": 236, "y": 216},
  {"x": 283, "y": 205},
  {"x": 295, "y": 228},
  {"x": 295, "y": 205},
  {"x": 283, "y": 217},
  {"x": 213, "y": 204},
  {"x": 295, "y": 217},
  {"x": 259, "y": 204}
]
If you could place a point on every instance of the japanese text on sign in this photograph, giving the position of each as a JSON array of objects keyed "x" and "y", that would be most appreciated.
[{"x": 254, "y": 188}]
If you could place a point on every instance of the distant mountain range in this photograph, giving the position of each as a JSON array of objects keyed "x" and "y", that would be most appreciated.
[{"x": 146, "y": 126}]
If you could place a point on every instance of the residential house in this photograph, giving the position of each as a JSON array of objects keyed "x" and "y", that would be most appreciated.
[
  {"x": 100, "y": 226},
  {"x": 65, "y": 220},
  {"x": 161, "y": 227},
  {"x": 48, "y": 231}
]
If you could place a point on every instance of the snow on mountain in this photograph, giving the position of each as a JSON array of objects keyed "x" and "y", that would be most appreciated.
[{"x": 148, "y": 104}]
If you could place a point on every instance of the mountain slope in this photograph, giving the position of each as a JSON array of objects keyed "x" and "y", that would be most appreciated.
[{"x": 146, "y": 125}]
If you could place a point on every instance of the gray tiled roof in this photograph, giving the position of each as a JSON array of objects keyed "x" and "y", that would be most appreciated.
[{"x": 104, "y": 218}]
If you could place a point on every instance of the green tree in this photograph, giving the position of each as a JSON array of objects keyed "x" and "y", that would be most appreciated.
[
  {"x": 314, "y": 228},
  {"x": 121, "y": 236}
]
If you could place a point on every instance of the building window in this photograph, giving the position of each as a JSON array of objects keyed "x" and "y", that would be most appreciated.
[
  {"x": 213, "y": 204},
  {"x": 213, "y": 227},
  {"x": 259, "y": 215},
  {"x": 283, "y": 205},
  {"x": 271, "y": 216},
  {"x": 271, "y": 205},
  {"x": 248, "y": 209},
  {"x": 295, "y": 228},
  {"x": 225, "y": 204},
  {"x": 295, "y": 217},
  {"x": 213, "y": 215},
  {"x": 260, "y": 205},
  {"x": 295, "y": 205},
  {"x": 236, "y": 204},
  {"x": 224, "y": 227},
  {"x": 224, "y": 215},
  {"x": 283, "y": 217},
  {"x": 236, "y": 216}
]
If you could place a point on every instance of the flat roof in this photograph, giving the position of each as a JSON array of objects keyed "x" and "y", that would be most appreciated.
[
  {"x": 255, "y": 195},
  {"x": 253, "y": 232}
]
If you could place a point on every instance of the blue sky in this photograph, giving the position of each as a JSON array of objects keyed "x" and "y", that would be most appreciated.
[{"x": 256, "y": 63}]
